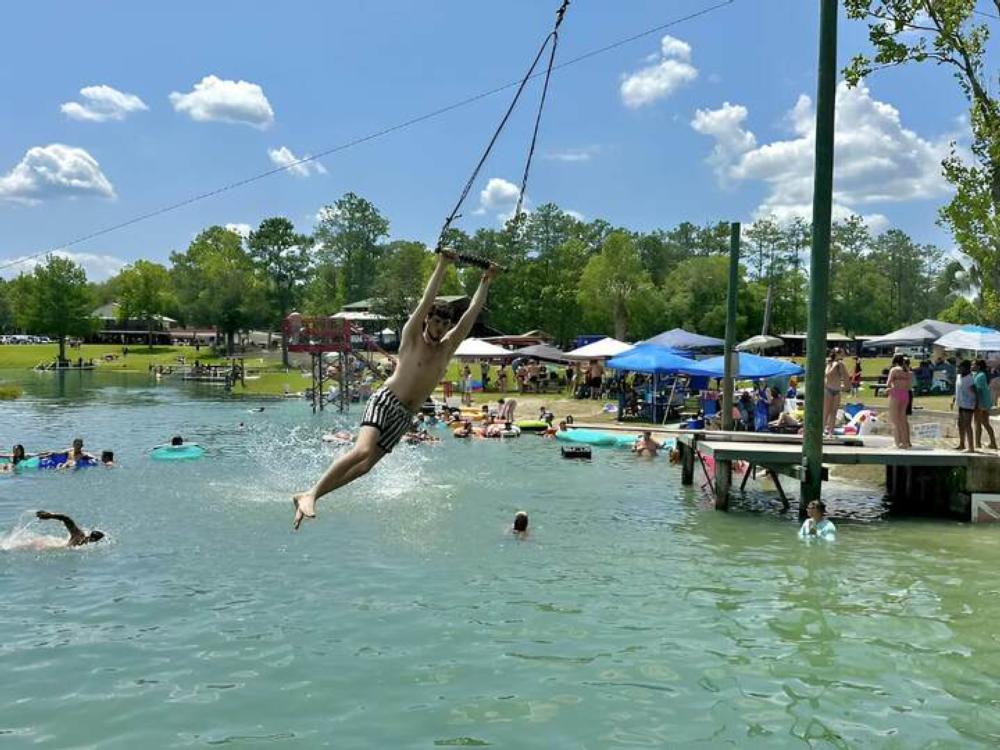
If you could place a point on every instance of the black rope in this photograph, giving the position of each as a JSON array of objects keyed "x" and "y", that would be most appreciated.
[
  {"x": 552, "y": 37},
  {"x": 387, "y": 130}
]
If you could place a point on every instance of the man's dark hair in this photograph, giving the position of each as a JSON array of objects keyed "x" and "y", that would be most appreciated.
[
  {"x": 521, "y": 521},
  {"x": 96, "y": 536},
  {"x": 107, "y": 457},
  {"x": 177, "y": 440},
  {"x": 440, "y": 310}
]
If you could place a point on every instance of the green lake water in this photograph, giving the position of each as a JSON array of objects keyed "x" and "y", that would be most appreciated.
[{"x": 406, "y": 616}]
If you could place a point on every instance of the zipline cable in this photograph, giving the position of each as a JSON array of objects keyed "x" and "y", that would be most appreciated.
[
  {"x": 553, "y": 37},
  {"x": 364, "y": 139}
]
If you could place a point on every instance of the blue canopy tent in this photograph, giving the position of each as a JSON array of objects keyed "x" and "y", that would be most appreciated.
[
  {"x": 752, "y": 367},
  {"x": 657, "y": 360},
  {"x": 678, "y": 338},
  {"x": 654, "y": 360}
]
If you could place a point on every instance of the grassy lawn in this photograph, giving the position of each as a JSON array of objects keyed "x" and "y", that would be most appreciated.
[
  {"x": 20, "y": 356},
  {"x": 273, "y": 383}
]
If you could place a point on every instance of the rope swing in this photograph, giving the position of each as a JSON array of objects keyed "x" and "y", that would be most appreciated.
[{"x": 553, "y": 37}]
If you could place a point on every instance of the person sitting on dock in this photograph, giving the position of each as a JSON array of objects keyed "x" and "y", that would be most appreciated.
[
  {"x": 817, "y": 526},
  {"x": 76, "y": 537},
  {"x": 645, "y": 445}
]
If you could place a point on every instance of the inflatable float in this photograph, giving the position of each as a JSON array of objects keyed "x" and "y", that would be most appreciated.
[
  {"x": 177, "y": 452},
  {"x": 596, "y": 437},
  {"x": 531, "y": 425}
]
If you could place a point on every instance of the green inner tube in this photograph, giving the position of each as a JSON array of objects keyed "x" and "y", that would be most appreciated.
[
  {"x": 531, "y": 425},
  {"x": 177, "y": 452}
]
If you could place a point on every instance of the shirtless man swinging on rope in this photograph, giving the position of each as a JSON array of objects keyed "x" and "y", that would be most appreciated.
[{"x": 426, "y": 346}]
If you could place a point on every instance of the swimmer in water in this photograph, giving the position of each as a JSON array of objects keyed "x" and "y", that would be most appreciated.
[
  {"x": 817, "y": 525},
  {"x": 76, "y": 536},
  {"x": 427, "y": 343},
  {"x": 77, "y": 455},
  {"x": 108, "y": 459},
  {"x": 520, "y": 527},
  {"x": 645, "y": 445},
  {"x": 16, "y": 456}
]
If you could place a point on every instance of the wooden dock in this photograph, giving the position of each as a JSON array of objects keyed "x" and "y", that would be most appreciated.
[{"x": 920, "y": 480}]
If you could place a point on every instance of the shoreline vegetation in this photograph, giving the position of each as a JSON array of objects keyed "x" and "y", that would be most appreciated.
[{"x": 267, "y": 377}]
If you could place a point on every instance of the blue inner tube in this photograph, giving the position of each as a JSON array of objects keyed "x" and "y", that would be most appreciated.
[
  {"x": 53, "y": 461},
  {"x": 588, "y": 437},
  {"x": 177, "y": 452}
]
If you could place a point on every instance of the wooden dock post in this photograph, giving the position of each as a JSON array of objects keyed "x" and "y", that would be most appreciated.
[
  {"x": 723, "y": 482},
  {"x": 687, "y": 462}
]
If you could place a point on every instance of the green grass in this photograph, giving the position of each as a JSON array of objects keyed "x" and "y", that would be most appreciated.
[
  {"x": 273, "y": 383},
  {"x": 10, "y": 392},
  {"x": 19, "y": 356}
]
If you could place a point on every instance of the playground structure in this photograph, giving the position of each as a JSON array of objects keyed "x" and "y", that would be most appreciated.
[{"x": 321, "y": 335}]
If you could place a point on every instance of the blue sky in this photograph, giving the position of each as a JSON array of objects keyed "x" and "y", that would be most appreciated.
[{"x": 708, "y": 124}]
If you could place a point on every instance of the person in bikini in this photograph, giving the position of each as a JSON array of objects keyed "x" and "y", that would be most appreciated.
[
  {"x": 427, "y": 344},
  {"x": 835, "y": 381}
]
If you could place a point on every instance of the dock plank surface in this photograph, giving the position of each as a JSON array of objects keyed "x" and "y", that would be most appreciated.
[{"x": 790, "y": 453}]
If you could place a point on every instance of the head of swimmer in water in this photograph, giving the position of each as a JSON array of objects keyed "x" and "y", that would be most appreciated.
[
  {"x": 437, "y": 323},
  {"x": 562, "y": 425},
  {"x": 17, "y": 454},
  {"x": 95, "y": 536},
  {"x": 647, "y": 435},
  {"x": 816, "y": 510},
  {"x": 177, "y": 440},
  {"x": 77, "y": 446},
  {"x": 107, "y": 457},
  {"x": 520, "y": 522}
]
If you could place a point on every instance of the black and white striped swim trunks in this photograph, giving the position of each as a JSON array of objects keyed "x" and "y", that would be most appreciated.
[{"x": 386, "y": 413}]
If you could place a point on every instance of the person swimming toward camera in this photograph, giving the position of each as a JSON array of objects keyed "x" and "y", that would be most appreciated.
[{"x": 520, "y": 525}]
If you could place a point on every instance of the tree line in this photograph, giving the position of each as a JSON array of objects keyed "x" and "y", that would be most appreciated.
[{"x": 564, "y": 275}]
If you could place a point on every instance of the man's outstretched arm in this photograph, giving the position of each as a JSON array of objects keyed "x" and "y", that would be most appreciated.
[
  {"x": 416, "y": 321},
  {"x": 464, "y": 326},
  {"x": 71, "y": 526}
]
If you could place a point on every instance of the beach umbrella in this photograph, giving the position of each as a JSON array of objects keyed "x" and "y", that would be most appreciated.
[
  {"x": 971, "y": 338},
  {"x": 759, "y": 343}
]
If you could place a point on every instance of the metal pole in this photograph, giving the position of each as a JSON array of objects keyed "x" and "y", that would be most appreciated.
[
  {"x": 819, "y": 257},
  {"x": 734, "y": 280}
]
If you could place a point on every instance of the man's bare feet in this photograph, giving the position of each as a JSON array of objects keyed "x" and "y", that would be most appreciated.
[
  {"x": 305, "y": 507},
  {"x": 970, "y": 450}
]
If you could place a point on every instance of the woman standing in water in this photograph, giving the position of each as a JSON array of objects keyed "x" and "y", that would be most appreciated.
[{"x": 898, "y": 385}]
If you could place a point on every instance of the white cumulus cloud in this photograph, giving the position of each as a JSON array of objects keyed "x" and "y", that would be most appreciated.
[
  {"x": 878, "y": 160},
  {"x": 52, "y": 171},
  {"x": 243, "y": 230},
  {"x": 283, "y": 157},
  {"x": 98, "y": 267},
  {"x": 672, "y": 70},
  {"x": 101, "y": 103},
  {"x": 215, "y": 99},
  {"x": 583, "y": 153}
]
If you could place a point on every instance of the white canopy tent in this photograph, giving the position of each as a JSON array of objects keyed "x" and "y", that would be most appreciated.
[
  {"x": 971, "y": 338},
  {"x": 603, "y": 349},
  {"x": 479, "y": 349}
]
